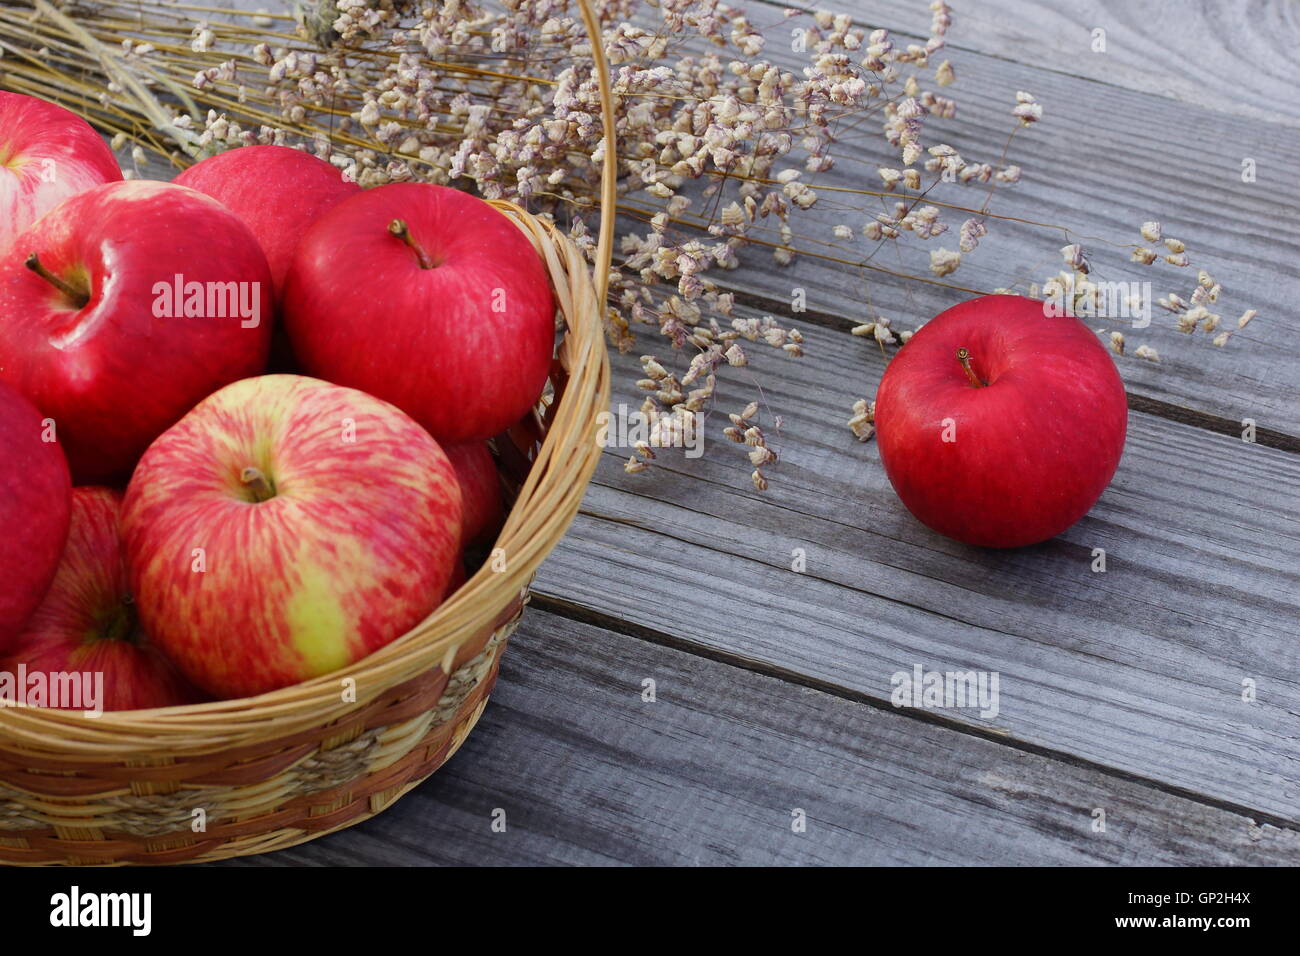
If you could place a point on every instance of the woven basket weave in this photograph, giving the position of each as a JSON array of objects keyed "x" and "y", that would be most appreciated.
[{"x": 231, "y": 778}]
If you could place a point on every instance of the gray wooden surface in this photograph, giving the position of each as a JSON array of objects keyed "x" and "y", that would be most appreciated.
[{"x": 1121, "y": 692}]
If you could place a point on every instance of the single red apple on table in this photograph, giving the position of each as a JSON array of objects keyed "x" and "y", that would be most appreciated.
[
  {"x": 287, "y": 527},
  {"x": 275, "y": 190},
  {"x": 1000, "y": 425},
  {"x": 46, "y": 155},
  {"x": 34, "y": 510},
  {"x": 87, "y": 623},
  {"x": 428, "y": 298},
  {"x": 123, "y": 307},
  {"x": 480, "y": 489}
]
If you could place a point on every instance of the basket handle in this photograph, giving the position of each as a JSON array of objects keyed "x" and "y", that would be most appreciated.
[{"x": 609, "y": 176}]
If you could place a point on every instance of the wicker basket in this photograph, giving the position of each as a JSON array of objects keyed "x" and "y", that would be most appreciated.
[{"x": 273, "y": 771}]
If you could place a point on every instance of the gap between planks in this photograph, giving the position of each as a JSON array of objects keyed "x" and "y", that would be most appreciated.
[{"x": 582, "y": 614}]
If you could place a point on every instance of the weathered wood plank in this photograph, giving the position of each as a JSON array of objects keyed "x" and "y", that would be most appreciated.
[
  {"x": 1140, "y": 667},
  {"x": 1234, "y": 57},
  {"x": 589, "y": 773}
]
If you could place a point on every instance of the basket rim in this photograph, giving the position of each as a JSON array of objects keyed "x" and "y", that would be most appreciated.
[{"x": 546, "y": 504}]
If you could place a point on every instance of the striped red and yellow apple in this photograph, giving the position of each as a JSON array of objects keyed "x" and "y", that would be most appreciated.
[{"x": 285, "y": 528}]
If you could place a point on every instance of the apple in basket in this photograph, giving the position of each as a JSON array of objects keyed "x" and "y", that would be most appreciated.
[
  {"x": 86, "y": 630},
  {"x": 429, "y": 298},
  {"x": 46, "y": 155},
  {"x": 287, "y": 527},
  {"x": 275, "y": 190},
  {"x": 124, "y": 306},
  {"x": 480, "y": 489},
  {"x": 34, "y": 510},
  {"x": 999, "y": 424}
]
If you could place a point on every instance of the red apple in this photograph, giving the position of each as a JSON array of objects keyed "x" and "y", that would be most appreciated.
[
  {"x": 123, "y": 307},
  {"x": 277, "y": 191},
  {"x": 34, "y": 510},
  {"x": 1010, "y": 441},
  {"x": 287, "y": 527},
  {"x": 428, "y": 298},
  {"x": 87, "y": 623},
  {"x": 46, "y": 155},
  {"x": 480, "y": 489}
]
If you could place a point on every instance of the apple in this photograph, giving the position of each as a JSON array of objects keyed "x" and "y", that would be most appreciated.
[
  {"x": 1000, "y": 425},
  {"x": 287, "y": 527},
  {"x": 46, "y": 155},
  {"x": 124, "y": 306},
  {"x": 428, "y": 298},
  {"x": 277, "y": 191},
  {"x": 35, "y": 492},
  {"x": 480, "y": 489},
  {"x": 87, "y": 623}
]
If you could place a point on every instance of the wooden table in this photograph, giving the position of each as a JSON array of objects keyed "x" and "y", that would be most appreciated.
[{"x": 1121, "y": 693}]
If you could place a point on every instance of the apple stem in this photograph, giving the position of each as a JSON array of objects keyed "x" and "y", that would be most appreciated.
[
  {"x": 77, "y": 296},
  {"x": 963, "y": 356},
  {"x": 399, "y": 228},
  {"x": 257, "y": 483}
]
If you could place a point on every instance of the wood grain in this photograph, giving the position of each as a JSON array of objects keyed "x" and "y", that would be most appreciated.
[
  {"x": 1235, "y": 56},
  {"x": 589, "y": 773},
  {"x": 1140, "y": 667}
]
